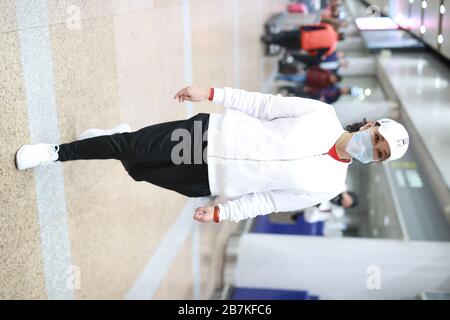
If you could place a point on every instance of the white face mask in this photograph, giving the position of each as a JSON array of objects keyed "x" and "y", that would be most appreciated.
[{"x": 360, "y": 146}]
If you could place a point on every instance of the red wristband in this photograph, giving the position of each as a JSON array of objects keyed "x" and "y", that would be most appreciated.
[
  {"x": 216, "y": 214},
  {"x": 211, "y": 94}
]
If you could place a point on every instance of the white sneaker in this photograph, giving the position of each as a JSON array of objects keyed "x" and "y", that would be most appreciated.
[
  {"x": 33, "y": 155},
  {"x": 91, "y": 133}
]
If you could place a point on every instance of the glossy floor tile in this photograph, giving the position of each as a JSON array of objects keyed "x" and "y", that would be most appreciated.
[{"x": 115, "y": 61}]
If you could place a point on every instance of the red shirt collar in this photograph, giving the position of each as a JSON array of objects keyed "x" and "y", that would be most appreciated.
[{"x": 334, "y": 155}]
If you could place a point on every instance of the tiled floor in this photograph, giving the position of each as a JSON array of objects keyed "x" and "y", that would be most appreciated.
[{"x": 117, "y": 61}]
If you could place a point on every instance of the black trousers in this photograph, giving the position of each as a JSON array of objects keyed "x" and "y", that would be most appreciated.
[
  {"x": 153, "y": 154},
  {"x": 288, "y": 39}
]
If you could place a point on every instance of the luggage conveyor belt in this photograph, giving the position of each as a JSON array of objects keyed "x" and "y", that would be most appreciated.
[
  {"x": 419, "y": 186},
  {"x": 408, "y": 203}
]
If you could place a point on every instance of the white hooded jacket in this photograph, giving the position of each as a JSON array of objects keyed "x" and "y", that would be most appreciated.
[{"x": 267, "y": 153}]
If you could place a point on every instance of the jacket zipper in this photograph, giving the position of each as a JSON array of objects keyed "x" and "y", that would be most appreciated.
[{"x": 293, "y": 159}]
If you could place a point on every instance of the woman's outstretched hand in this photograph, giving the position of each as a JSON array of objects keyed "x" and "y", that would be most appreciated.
[
  {"x": 204, "y": 214},
  {"x": 192, "y": 93}
]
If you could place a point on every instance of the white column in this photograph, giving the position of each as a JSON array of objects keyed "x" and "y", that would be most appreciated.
[{"x": 343, "y": 268}]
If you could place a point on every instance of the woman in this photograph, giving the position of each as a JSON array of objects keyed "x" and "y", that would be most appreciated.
[
  {"x": 313, "y": 77},
  {"x": 264, "y": 154},
  {"x": 319, "y": 40},
  {"x": 328, "y": 95},
  {"x": 333, "y": 209}
]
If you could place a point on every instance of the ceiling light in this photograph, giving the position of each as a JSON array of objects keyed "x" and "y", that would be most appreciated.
[{"x": 422, "y": 29}]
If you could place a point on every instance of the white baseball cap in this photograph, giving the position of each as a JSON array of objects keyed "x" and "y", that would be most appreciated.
[{"x": 396, "y": 136}]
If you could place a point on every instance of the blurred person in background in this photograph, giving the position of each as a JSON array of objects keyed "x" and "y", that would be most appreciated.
[
  {"x": 335, "y": 208},
  {"x": 328, "y": 95},
  {"x": 313, "y": 77},
  {"x": 333, "y": 62},
  {"x": 318, "y": 40},
  {"x": 333, "y": 15}
]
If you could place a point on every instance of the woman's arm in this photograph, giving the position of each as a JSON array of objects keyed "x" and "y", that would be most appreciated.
[
  {"x": 268, "y": 106},
  {"x": 260, "y": 203},
  {"x": 258, "y": 105},
  {"x": 192, "y": 93}
]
